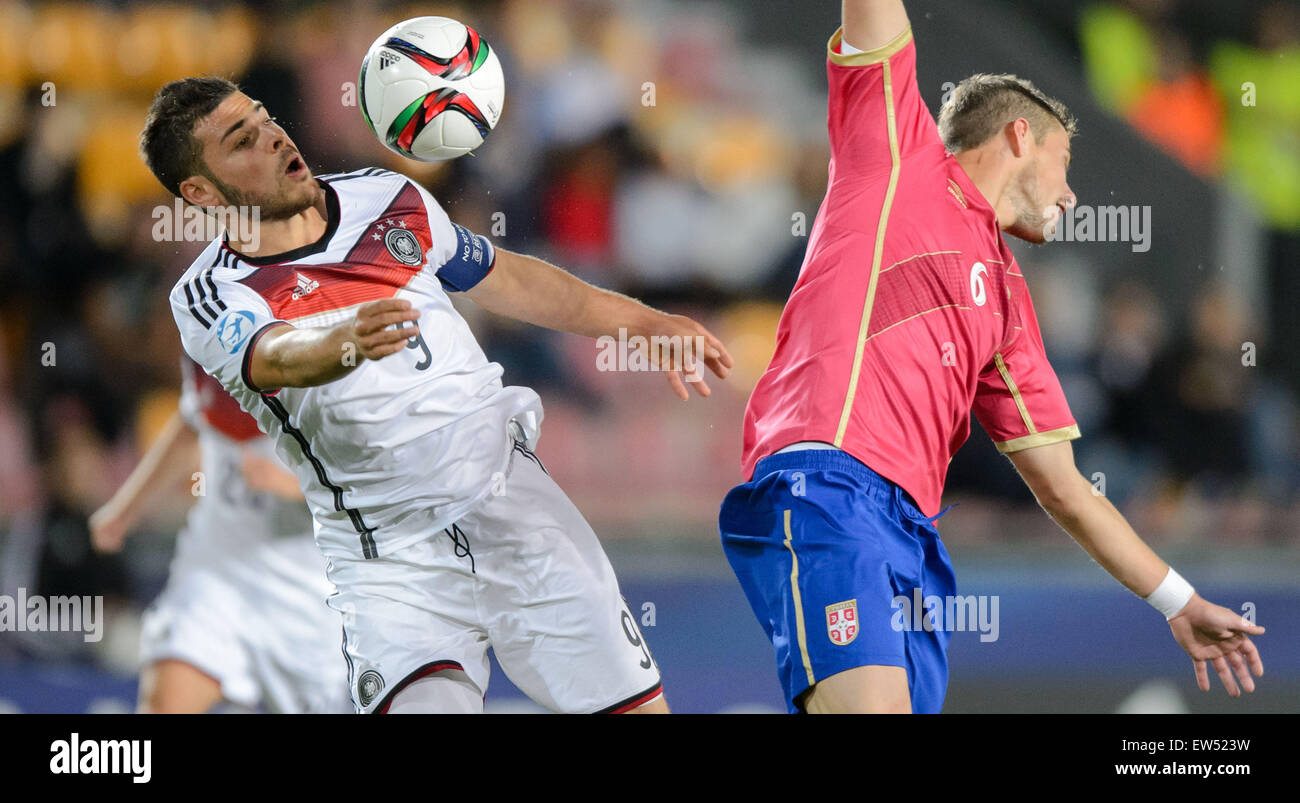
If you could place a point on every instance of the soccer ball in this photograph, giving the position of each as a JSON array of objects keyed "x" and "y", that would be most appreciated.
[{"x": 431, "y": 88}]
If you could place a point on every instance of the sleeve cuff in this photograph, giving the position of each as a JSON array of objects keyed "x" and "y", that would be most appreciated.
[
  {"x": 248, "y": 354},
  {"x": 1038, "y": 439},
  {"x": 866, "y": 57}
]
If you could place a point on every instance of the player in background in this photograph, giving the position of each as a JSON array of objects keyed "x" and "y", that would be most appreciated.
[
  {"x": 243, "y": 617},
  {"x": 444, "y": 534},
  {"x": 910, "y": 312}
]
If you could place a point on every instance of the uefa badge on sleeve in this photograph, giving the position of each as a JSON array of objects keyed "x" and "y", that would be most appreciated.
[{"x": 842, "y": 622}]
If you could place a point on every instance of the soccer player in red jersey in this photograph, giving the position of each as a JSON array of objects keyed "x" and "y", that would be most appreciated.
[{"x": 910, "y": 312}]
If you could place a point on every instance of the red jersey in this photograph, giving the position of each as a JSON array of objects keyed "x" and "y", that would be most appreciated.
[{"x": 910, "y": 310}]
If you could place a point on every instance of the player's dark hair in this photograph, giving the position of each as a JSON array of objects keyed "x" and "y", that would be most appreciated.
[
  {"x": 983, "y": 104},
  {"x": 167, "y": 143}
]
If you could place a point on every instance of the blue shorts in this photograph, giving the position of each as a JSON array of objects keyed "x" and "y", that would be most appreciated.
[{"x": 824, "y": 547}]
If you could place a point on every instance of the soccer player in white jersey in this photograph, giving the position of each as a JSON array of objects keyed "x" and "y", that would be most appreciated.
[
  {"x": 334, "y": 328},
  {"x": 243, "y": 618}
]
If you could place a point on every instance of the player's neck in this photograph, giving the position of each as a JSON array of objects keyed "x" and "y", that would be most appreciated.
[
  {"x": 991, "y": 174},
  {"x": 283, "y": 234}
]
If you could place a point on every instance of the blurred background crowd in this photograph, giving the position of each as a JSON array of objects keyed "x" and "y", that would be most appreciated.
[{"x": 675, "y": 151}]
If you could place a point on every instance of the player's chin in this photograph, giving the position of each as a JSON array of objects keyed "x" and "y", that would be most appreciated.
[{"x": 1029, "y": 232}]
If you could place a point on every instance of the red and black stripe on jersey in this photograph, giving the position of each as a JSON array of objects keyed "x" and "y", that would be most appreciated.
[
  {"x": 218, "y": 407},
  {"x": 368, "y": 272}
]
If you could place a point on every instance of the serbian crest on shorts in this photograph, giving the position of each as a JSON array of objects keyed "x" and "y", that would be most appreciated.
[
  {"x": 369, "y": 685},
  {"x": 842, "y": 622}
]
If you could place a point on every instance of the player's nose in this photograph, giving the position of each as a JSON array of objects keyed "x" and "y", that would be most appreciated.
[{"x": 1069, "y": 198}]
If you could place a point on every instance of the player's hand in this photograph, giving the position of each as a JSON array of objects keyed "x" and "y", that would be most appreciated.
[
  {"x": 267, "y": 476},
  {"x": 1215, "y": 635},
  {"x": 370, "y": 329},
  {"x": 689, "y": 345},
  {"x": 108, "y": 527}
]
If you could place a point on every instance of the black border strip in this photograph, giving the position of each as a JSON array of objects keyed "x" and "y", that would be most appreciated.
[{"x": 368, "y": 549}]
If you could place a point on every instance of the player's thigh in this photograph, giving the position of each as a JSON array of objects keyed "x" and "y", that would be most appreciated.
[
  {"x": 861, "y": 690},
  {"x": 558, "y": 624},
  {"x": 446, "y": 692},
  {"x": 171, "y": 686}
]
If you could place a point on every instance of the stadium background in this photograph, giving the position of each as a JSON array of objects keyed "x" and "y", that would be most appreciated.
[{"x": 676, "y": 151}]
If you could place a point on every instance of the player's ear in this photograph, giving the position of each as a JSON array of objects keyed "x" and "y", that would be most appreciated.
[
  {"x": 1018, "y": 136},
  {"x": 200, "y": 192}
]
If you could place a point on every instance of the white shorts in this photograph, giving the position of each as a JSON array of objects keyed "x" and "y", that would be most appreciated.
[
  {"x": 522, "y": 573},
  {"x": 254, "y": 618}
]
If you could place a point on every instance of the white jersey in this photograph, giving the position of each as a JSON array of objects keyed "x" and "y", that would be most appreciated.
[
  {"x": 401, "y": 447},
  {"x": 230, "y": 516}
]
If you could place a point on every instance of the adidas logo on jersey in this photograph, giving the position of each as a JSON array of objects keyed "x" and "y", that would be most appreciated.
[{"x": 304, "y": 287}]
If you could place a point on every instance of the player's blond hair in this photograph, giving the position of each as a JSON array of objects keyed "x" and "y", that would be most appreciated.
[{"x": 983, "y": 104}]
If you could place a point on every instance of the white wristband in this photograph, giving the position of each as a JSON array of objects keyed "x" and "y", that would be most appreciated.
[{"x": 1172, "y": 595}]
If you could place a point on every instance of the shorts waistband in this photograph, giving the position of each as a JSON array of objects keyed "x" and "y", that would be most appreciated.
[{"x": 826, "y": 460}]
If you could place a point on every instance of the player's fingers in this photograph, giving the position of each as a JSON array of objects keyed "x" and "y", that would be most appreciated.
[
  {"x": 1243, "y": 674},
  {"x": 107, "y": 539},
  {"x": 675, "y": 381},
  {"x": 702, "y": 388},
  {"x": 381, "y": 306},
  {"x": 1251, "y": 652},
  {"x": 1202, "y": 675},
  {"x": 719, "y": 352},
  {"x": 1247, "y": 626},
  {"x": 386, "y": 336},
  {"x": 1225, "y": 676},
  {"x": 374, "y": 323},
  {"x": 385, "y": 349}
]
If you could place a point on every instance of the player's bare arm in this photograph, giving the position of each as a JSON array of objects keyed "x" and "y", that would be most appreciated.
[
  {"x": 289, "y": 357},
  {"x": 171, "y": 458},
  {"x": 534, "y": 291},
  {"x": 1209, "y": 633},
  {"x": 869, "y": 24}
]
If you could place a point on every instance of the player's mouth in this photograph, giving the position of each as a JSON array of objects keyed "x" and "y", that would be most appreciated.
[{"x": 296, "y": 168}]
